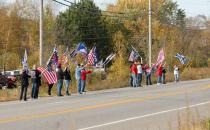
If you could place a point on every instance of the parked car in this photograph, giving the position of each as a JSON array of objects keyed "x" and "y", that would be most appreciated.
[{"x": 9, "y": 78}]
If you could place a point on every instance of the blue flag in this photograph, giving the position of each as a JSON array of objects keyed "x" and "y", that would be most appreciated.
[
  {"x": 182, "y": 59},
  {"x": 82, "y": 49}
]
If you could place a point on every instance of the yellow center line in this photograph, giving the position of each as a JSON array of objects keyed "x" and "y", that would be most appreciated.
[{"x": 97, "y": 106}]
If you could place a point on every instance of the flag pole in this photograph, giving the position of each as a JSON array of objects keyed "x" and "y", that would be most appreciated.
[{"x": 137, "y": 53}]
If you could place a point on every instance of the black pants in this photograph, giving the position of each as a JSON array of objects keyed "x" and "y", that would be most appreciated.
[
  {"x": 49, "y": 88},
  {"x": 37, "y": 92},
  {"x": 23, "y": 92}
]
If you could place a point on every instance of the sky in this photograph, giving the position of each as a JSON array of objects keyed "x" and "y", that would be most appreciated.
[{"x": 191, "y": 7}]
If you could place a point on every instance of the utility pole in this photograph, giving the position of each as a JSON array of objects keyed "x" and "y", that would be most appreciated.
[
  {"x": 150, "y": 33},
  {"x": 41, "y": 33}
]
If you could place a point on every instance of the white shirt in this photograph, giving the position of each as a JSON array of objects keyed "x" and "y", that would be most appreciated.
[
  {"x": 139, "y": 68},
  {"x": 176, "y": 70}
]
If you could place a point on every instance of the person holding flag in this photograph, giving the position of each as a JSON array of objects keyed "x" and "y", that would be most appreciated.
[{"x": 83, "y": 78}]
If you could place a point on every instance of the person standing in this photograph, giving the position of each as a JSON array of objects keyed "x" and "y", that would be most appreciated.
[
  {"x": 159, "y": 74},
  {"x": 78, "y": 78},
  {"x": 83, "y": 79},
  {"x": 67, "y": 77},
  {"x": 176, "y": 73},
  {"x": 33, "y": 82},
  {"x": 148, "y": 72},
  {"x": 139, "y": 74},
  {"x": 134, "y": 74},
  {"x": 38, "y": 82},
  {"x": 130, "y": 75},
  {"x": 24, "y": 85},
  {"x": 164, "y": 75},
  {"x": 60, "y": 77}
]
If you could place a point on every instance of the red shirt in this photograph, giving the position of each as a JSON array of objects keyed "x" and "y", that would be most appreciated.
[
  {"x": 159, "y": 70},
  {"x": 134, "y": 69},
  {"x": 84, "y": 73}
]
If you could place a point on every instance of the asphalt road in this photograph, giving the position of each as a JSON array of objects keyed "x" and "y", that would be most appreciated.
[{"x": 149, "y": 108}]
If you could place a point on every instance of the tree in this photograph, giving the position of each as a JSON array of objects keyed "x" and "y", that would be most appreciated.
[{"x": 83, "y": 22}]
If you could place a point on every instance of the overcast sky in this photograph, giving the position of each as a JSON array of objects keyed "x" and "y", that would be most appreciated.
[{"x": 191, "y": 7}]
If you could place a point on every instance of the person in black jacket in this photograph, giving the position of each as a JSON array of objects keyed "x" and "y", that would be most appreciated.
[
  {"x": 67, "y": 77},
  {"x": 24, "y": 85},
  {"x": 60, "y": 77},
  {"x": 36, "y": 82}
]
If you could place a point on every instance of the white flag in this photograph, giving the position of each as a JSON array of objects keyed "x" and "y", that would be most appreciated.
[{"x": 24, "y": 62}]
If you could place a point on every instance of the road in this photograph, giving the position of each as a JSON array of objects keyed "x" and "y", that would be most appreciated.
[{"x": 148, "y": 108}]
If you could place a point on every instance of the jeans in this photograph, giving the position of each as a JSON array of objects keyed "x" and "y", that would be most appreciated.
[
  {"x": 176, "y": 76},
  {"x": 134, "y": 80},
  {"x": 79, "y": 89},
  {"x": 139, "y": 77},
  {"x": 59, "y": 87},
  {"x": 131, "y": 80},
  {"x": 23, "y": 92},
  {"x": 159, "y": 79},
  {"x": 83, "y": 84},
  {"x": 148, "y": 79},
  {"x": 33, "y": 91},
  {"x": 164, "y": 78},
  {"x": 67, "y": 83}
]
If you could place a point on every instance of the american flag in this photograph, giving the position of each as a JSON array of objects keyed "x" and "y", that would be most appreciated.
[
  {"x": 133, "y": 56},
  {"x": 50, "y": 76},
  {"x": 64, "y": 57},
  {"x": 54, "y": 58},
  {"x": 92, "y": 57},
  {"x": 161, "y": 57}
]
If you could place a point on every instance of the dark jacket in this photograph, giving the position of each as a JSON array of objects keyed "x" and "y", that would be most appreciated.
[
  {"x": 24, "y": 79},
  {"x": 38, "y": 78},
  {"x": 67, "y": 74},
  {"x": 60, "y": 74}
]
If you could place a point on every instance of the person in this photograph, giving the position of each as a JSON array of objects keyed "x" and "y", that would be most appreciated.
[
  {"x": 176, "y": 73},
  {"x": 159, "y": 73},
  {"x": 139, "y": 74},
  {"x": 33, "y": 82},
  {"x": 60, "y": 77},
  {"x": 164, "y": 75},
  {"x": 83, "y": 79},
  {"x": 78, "y": 78},
  {"x": 38, "y": 82},
  {"x": 148, "y": 73},
  {"x": 131, "y": 79},
  {"x": 67, "y": 77},
  {"x": 134, "y": 74},
  {"x": 24, "y": 85},
  {"x": 50, "y": 89}
]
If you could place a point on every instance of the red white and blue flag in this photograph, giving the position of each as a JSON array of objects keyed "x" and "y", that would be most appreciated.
[
  {"x": 50, "y": 76},
  {"x": 93, "y": 57},
  {"x": 53, "y": 60}
]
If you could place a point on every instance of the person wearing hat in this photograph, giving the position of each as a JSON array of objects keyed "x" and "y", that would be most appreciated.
[{"x": 60, "y": 78}]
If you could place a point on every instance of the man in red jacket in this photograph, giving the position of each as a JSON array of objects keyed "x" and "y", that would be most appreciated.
[
  {"x": 134, "y": 72},
  {"x": 83, "y": 79}
]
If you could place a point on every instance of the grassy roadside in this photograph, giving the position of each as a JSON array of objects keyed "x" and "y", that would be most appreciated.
[{"x": 113, "y": 80}]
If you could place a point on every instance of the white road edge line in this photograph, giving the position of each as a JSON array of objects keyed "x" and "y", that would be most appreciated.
[{"x": 147, "y": 115}]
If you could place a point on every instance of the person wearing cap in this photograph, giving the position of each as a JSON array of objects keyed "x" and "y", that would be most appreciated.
[
  {"x": 60, "y": 77},
  {"x": 83, "y": 78}
]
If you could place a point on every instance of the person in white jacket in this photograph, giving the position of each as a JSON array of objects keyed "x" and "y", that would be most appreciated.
[{"x": 176, "y": 73}]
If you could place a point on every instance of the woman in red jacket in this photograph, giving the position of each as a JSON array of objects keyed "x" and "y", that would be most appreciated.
[
  {"x": 83, "y": 79},
  {"x": 159, "y": 73}
]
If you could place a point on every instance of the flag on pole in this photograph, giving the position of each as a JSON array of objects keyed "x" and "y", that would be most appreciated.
[
  {"x": 82, "y": 49},
  {"x": 109, "y": 58},
  {"x": 53, "y": 60},
  {"x": 24, "y": 61},
  {"x": 50, "y": 76},
  {"x": 133, "y": 56},
  {"x": 92, "y": 57},
  {"x": 161, "y": 57},
  {"x": 182, "y": 58},
  {"x": 64, "y": 57}
]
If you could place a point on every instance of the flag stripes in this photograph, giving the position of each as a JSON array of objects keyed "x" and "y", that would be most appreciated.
[{"x": 50, "y": 76}]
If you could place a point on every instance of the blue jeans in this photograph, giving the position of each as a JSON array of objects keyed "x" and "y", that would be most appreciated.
[
  {"x": 148, "y": 79},
  {"x": 34, "y": 89},
  {"x": 159, "y": 79},
  {"x": 139, "y": 77},
  {"x": 67, "y": 82},
  {"x": 83, "y": 85},
  {"x": 59, "y": 87},
  {"x": 79, "y": 89},
  {"x": 134, "y": 80}
]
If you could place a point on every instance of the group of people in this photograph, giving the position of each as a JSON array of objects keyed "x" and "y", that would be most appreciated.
[
  {"x": 62, "y": 77},
  {"x": 137, "y": 70}
]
